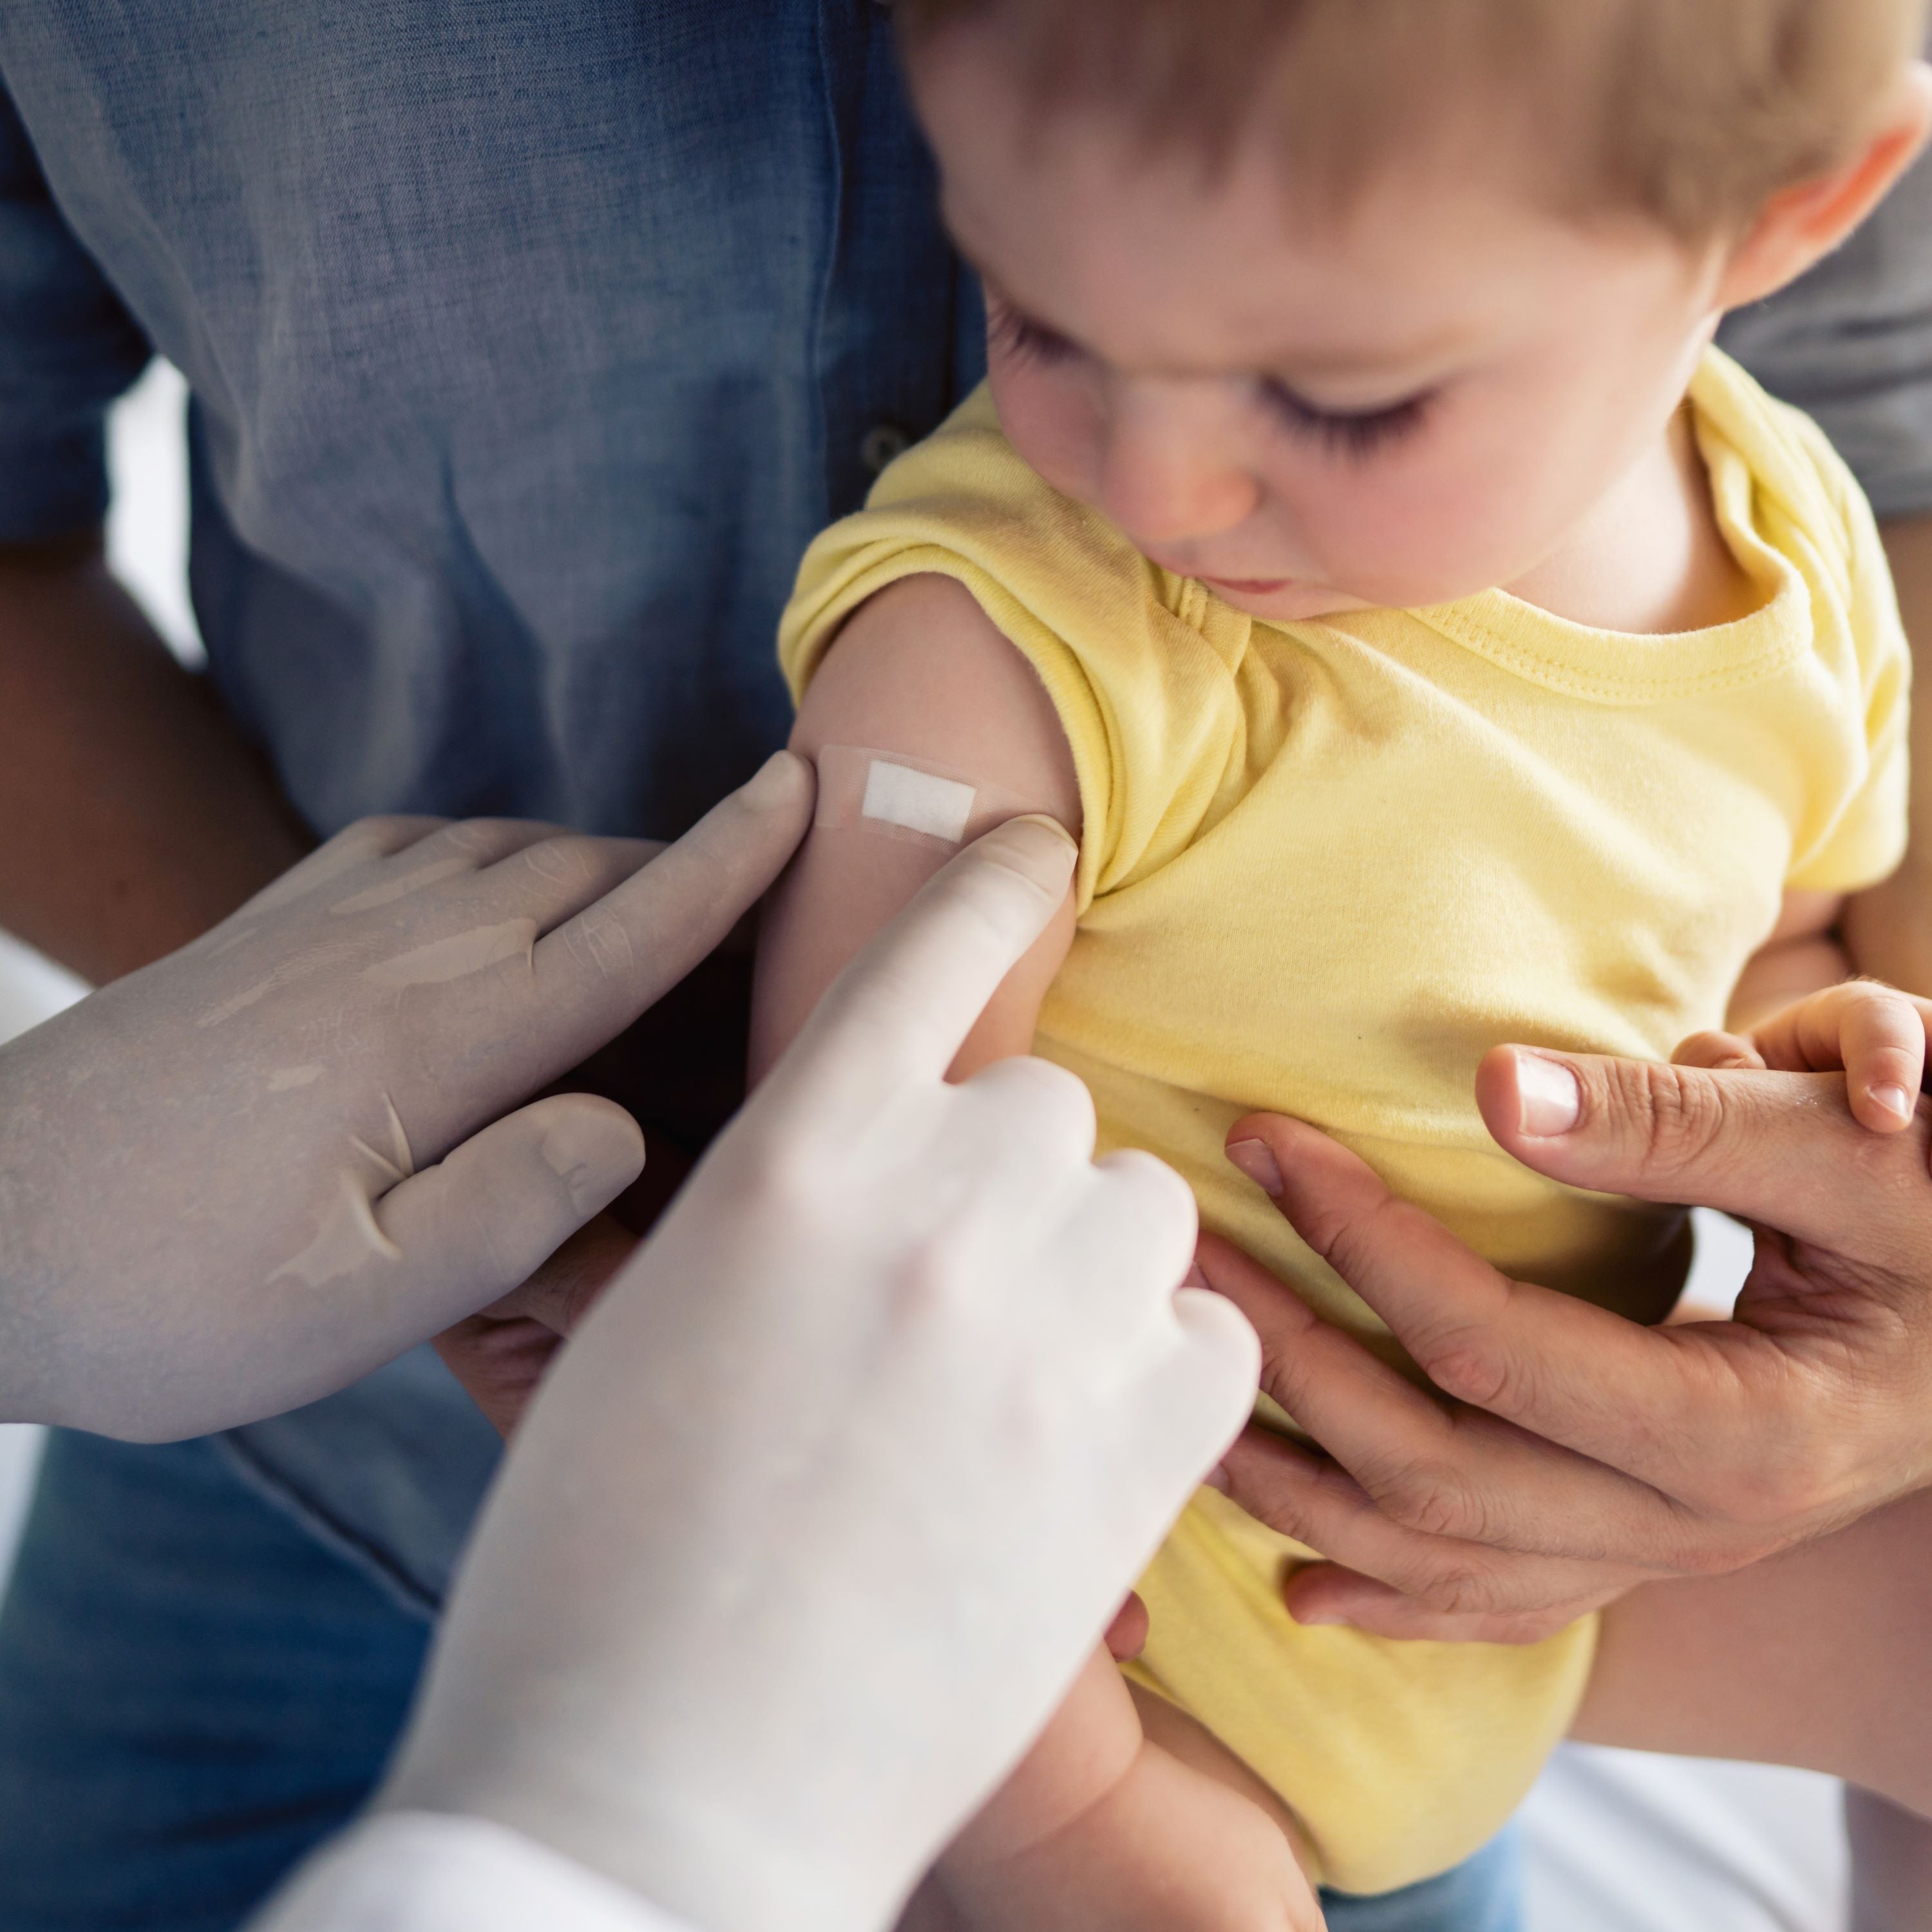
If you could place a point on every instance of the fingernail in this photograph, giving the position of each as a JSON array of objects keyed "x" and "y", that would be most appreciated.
[
  {"x": 594, "y": 1150},
  {"x": 1257, "y": 1162},
  {"x": 1310, "y": 1619},
  {"x": 1194, "y": 1278},
  {"x": 1895, "y": 1100},
  {"x": 1216, "y": 1479},
  {"x": 1547, "y": 1096},
  {"x": 1038, "y": 848}
]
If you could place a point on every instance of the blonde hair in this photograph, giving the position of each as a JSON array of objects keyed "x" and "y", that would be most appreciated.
[{"x": 1692, "y": 112}]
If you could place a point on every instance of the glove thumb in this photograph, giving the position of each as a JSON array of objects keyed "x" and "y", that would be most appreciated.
[{"x": 489, "y": 1214}]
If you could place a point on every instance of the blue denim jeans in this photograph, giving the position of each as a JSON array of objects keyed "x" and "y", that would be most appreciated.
[
  {"x": 1483, "y": 1894},
  {"x": 195, "y": 1690}
]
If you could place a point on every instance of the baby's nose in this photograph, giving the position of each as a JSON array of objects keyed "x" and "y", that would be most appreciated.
[{"x": 1167, "y": 475}]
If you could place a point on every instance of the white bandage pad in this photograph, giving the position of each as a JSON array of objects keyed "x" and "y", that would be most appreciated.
[
  {"x": 918, "y": 802},
  {"x": 895, "y": 796}
]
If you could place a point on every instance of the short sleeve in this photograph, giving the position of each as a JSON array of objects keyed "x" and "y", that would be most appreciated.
[
  {"x": 67, "y": 348},
  {"x": 1139, "y": 669},
  {"x": 1865, "y": 840},
  {"x": 1850, "y": 343}
]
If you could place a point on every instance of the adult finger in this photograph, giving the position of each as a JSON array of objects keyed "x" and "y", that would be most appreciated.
[
  {"x": 1303, "y": 1495},
  {"x": 598, "y": 970},
  {"x": 485, "y": 1216},
  {"x": 501, "y": 1361},
  {"x": 479, "y": 843},
  {"x": 1782, "y": 1149},
  {"x": 1558, "y": 1367},
  {"x": 567, "y": 1284},
  {"x": 553, "y": 878},
  {"x": 1327, "y": 1593},
  {"x": 898, "y": 1013},
  {"x": 366, "y": 843},
  {"x": 501, "y": 1354},
  {"x": 1442, "y": 1469}
]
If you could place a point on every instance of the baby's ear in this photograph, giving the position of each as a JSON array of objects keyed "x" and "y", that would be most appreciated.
[{"x": 1802, "y": 224}]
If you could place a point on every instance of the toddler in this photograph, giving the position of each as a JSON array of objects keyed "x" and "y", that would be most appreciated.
[{"x": 1431, "y": 641}]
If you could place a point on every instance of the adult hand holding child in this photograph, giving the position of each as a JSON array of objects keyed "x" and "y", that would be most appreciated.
[{"x": 1570, "y": 1453}]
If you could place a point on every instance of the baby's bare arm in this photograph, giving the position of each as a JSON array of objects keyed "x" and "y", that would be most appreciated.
[
  {"x": 921, "y": 671},
  {"x": 1102, "y": 1829}
]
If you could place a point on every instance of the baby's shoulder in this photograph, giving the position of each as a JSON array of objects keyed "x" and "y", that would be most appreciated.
[
  {"x": 971, "y": 599},
  {"x": 921, "y": 669}
]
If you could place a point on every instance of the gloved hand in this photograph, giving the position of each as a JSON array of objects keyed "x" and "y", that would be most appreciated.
[
  {"x": 822, "y": 1507},
  {"x": 238, "y": 1179}
]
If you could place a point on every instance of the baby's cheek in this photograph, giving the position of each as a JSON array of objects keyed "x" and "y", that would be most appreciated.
[
  {"x": 1053, "y": 420},
  {"x": 1409, "y": 541}
]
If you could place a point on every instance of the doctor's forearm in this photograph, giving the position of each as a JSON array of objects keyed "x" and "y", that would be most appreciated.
[{"x": 132, "y": 815}]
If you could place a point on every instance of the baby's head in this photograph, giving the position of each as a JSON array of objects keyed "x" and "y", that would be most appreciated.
[{"x": 1346, "y": 302}]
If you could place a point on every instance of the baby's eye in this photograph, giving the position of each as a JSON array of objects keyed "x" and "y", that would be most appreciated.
[
  {"x": 1015, "y": 334},
  {"x": 1359, "y": 433}
]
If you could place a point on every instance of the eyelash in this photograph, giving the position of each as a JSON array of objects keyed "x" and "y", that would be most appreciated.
[
  {"x": 1016, "y": 336},
  {"x": 1357, "y": 435}
]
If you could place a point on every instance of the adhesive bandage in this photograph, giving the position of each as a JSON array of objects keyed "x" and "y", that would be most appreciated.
[{"x": 860, "y": 789}]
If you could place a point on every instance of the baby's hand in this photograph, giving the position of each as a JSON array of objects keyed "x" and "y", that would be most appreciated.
[{"x": 1875, "y": 1032}]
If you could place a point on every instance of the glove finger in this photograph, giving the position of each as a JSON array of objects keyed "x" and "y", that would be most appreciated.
[
  {"x": 895, "y": 1017},
  {"x": 1191, "y": 1404},
  {"x": 598, "y": 971},
  {"x": 484, "y": 842},
  {"x": 1122, "y": 1252},
  {"x": 494, "y": 1210},
  {"x": 552, "y": 879},
  {"x": 355, "y": 849}
]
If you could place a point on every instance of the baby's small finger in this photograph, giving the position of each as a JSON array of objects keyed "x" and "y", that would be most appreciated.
[
  {"x": 1883, "y": 1041},
  {"x": 1725, "y": 1051}
]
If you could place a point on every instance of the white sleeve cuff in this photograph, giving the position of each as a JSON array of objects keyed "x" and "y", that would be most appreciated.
[{"x": 421, "y": 1871}]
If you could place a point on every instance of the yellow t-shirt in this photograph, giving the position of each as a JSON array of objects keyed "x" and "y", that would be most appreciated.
[{"x": 1323, "y": 867}]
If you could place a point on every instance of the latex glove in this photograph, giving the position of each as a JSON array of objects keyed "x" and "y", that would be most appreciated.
[
  {"x": 1583, "y": 1453},
  {"x": 236, "y": 1180},
  {"x": 826, "y": 1503}
]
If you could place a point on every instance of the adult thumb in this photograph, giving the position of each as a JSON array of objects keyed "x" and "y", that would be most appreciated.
[
  {"x": 492, "y": 1210},
  {"x": 1771, "y": 1147}
]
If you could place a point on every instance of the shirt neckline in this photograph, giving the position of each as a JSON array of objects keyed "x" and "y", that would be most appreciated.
[{"x": 1638, "y": 668}]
